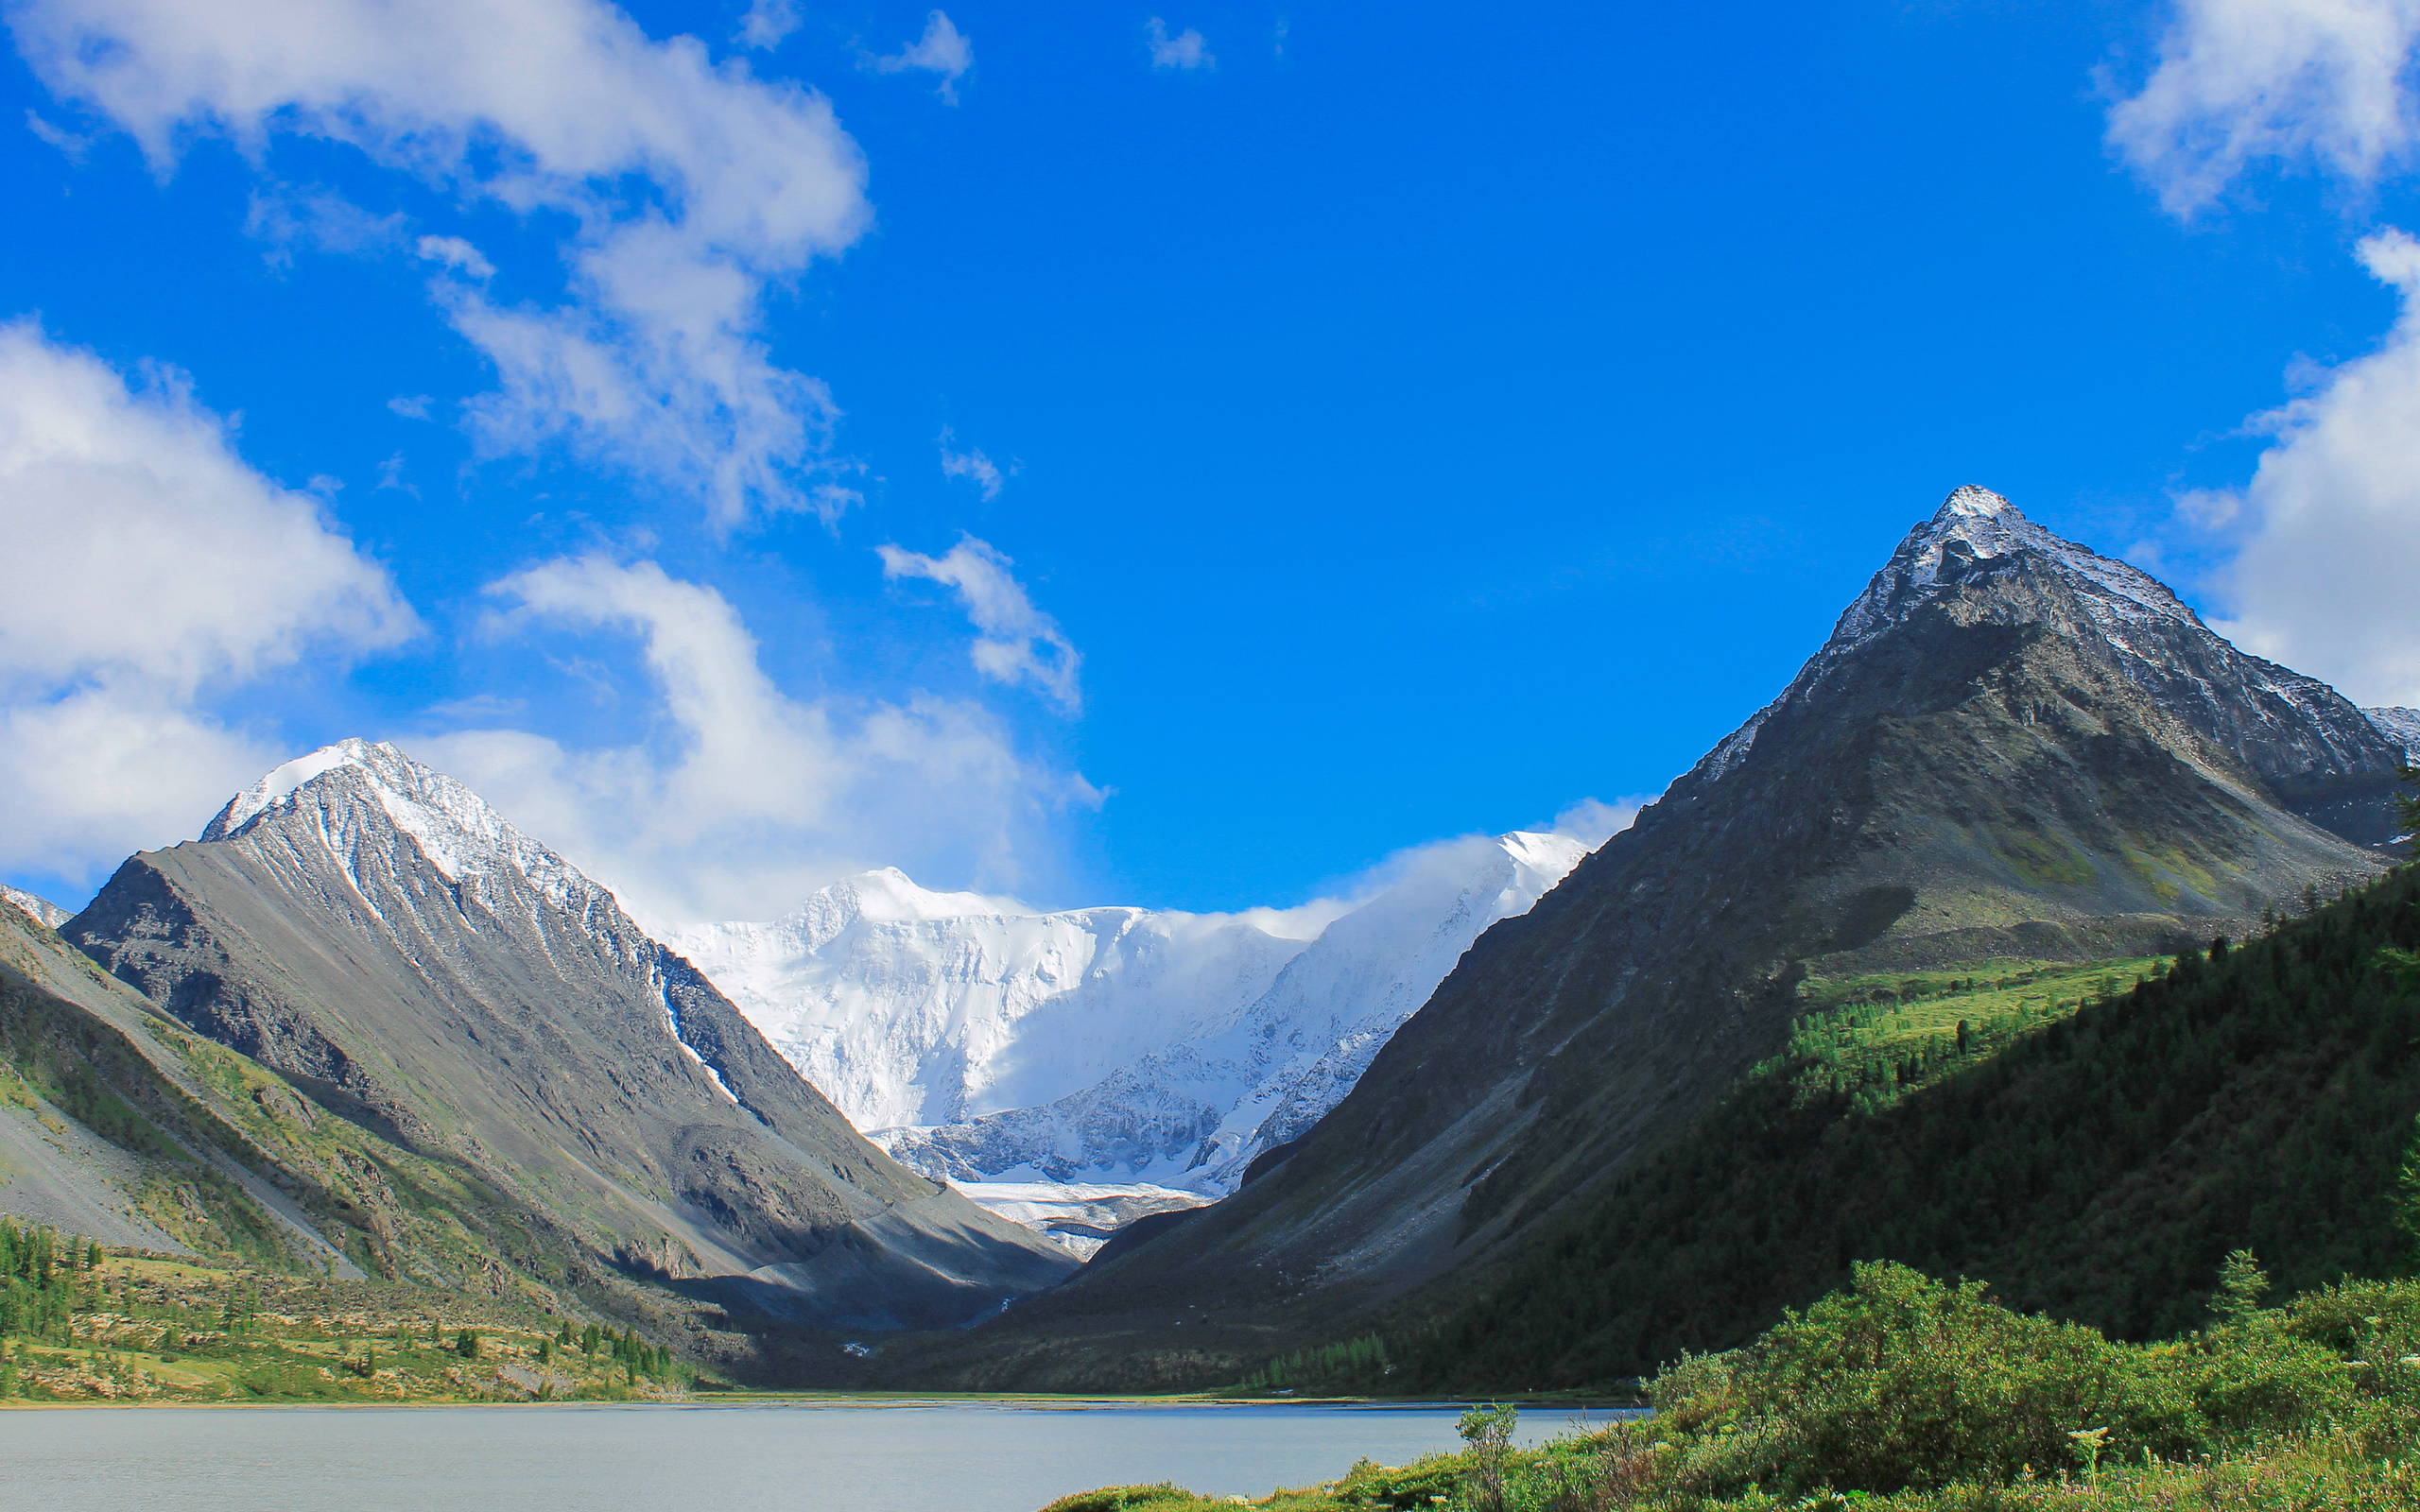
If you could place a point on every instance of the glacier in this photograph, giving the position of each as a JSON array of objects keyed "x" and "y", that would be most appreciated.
[{"x": 1136, "y": 1054}]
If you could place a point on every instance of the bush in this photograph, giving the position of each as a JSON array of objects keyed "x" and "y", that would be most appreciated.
[{"x": 1901, "y": 1382}]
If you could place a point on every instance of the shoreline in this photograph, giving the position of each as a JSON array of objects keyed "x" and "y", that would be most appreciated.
[{"x": 859, "y": 1401}]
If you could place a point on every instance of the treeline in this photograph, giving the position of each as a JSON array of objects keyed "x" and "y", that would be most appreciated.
[
  {"x": 636, "y": 1356},
  {"x": 2097, "y": 1168},
  {"x": 43, "y": 1276},
  {"x": 1355, "y": 1364}
]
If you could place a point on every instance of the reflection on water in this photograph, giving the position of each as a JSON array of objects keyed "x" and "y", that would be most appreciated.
[{"x": 756, "y": 1458}]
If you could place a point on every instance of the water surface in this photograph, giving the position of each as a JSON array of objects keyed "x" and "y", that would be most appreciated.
[{"x": 775, "y": 1457}]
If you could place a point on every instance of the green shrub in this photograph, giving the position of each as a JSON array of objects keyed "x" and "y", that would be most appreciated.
[{"x": 1901, "y": 1382}]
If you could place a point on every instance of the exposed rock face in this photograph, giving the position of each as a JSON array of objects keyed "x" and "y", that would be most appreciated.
[
  {"x": 374, "y": 933},
  {"x": 2400, "y": 725},
  {"x": 2010, "y": 748}
]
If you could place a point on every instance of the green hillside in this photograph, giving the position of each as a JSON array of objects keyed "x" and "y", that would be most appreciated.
[{"x": 2094, "y": 1152}]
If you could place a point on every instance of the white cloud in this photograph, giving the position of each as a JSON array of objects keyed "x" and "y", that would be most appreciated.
[
  {"x": 1593, "y": 821},
  {"x": 2316, "y": 81},
  {"x": 410, "y": 406},
  {"x": 1014, "y": 642},
  {"x": 943, "y": 49},
  {"x": 767, "y": 22},
  {"x": 457, "y": 254},
  {"x": 148, "y": 569},
  {"x": 286, "y": 217},
  {"x": 1186, "y": 49},
  {"x": 756, "y": 798},
  {"x": 2324, "y": 578},
  {"x": 692, "y": 186},
  {"x": 971, "y": 465}
]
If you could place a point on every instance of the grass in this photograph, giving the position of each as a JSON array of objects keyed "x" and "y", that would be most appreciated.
[
  {"x": 151, "y": 1328},
  {"x": 1880, "y": 1037}
]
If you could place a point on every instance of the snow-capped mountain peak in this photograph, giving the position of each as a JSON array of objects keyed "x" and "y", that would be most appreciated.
[
  {"x": 988, "y": 1044},
  {"x": 1972, "y": 526},
  {"x": 453, "y": 827},
  {"x": 2005, "y": 569}
]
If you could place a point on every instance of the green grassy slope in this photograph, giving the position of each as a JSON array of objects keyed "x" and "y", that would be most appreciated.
[{"x": 2098, "y": 1166}]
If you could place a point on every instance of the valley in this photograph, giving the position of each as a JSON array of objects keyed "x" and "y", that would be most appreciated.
[{"x": 2033, "y": 933}]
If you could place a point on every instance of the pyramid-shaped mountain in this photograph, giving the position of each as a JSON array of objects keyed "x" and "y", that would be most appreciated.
[
  {"x": 375, "y": 934},
  {"x": 2010, "y": 748}
]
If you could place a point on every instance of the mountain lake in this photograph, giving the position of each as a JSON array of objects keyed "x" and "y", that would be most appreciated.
[{"x": 817, "y": 1456}]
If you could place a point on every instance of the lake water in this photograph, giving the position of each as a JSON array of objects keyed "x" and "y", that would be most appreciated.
[{"x": 774, "y": 1457}]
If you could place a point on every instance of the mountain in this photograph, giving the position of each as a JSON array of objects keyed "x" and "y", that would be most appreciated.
[
  {"x": 1114, "y": 1046},
  {"x": 2100, "y": 1167},
  {"x": 377, "y": 936},
  {"x": 2010, "y": 749},
  {"x": 916, "y": 1007},
  {"x": 1194, "y": 1113}
]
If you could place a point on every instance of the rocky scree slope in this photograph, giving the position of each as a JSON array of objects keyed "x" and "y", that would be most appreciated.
[
  {"x": 375, "y": 934},
  {"x": 2010, "y": 748}
]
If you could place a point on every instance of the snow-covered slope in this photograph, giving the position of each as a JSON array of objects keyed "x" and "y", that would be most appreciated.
[
  {"x": 2400, "y": 725},
  {"x": 1104, "y": 1045},
  {"x": 906, "y": 1007}
]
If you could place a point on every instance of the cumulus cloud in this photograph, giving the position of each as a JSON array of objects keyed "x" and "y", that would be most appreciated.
[
  {"x": 148, "y": 569},
  {"x": 755, "y": 798},
  {"x": 2330, "y": 522},
  {"x": 2317, "y": 82},
  {"x": 1014, "y": 642},
  {"x": 943, "y": 49},
  {"x": 1186, "y": 49},
  {"x": 692, "y": 186},
  {"x": 973, "y": 466}
]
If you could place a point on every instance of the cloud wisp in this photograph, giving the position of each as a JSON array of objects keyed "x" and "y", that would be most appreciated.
[
  {"x": 2329, "y": 525},
  {"x": 692, "y": 189},
  {"x": 212, "y": 577},
  {"x": 2318, "y": 82},
  {"x": 1014, "y": 642},
  {"x": 943, "y": 49},
  {"x": 973, "y": 466},
  {"x": 752, "y": 797},
  {"x": 1183, "y": 50}
]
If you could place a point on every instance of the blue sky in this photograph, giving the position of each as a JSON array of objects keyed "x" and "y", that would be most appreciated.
[{"x": 1179, "y": 457}]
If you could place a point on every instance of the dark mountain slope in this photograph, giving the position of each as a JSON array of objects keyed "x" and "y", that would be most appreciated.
[
  {"x": 2099, "y": 1169},
  {"x": 372, "y": 932},
  {"x": 2008, "y": 748}
]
